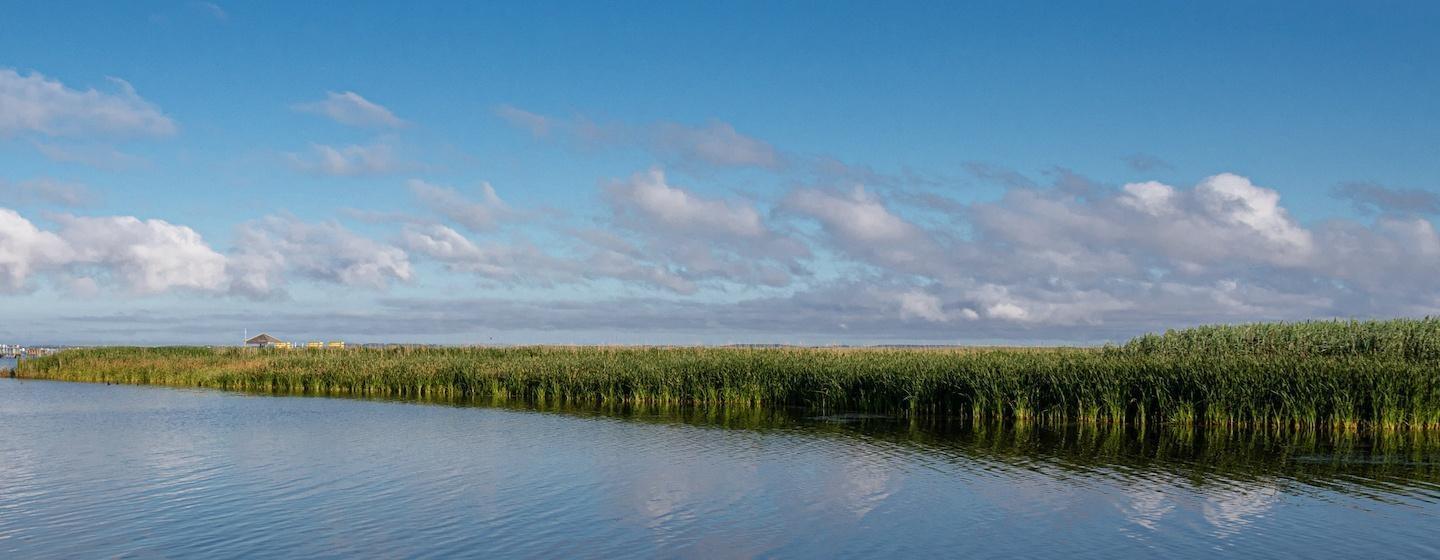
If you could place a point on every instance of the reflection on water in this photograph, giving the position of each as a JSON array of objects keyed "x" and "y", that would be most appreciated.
[{"x": 95, "y": 470}]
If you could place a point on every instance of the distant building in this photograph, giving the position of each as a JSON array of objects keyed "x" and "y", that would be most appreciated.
[
  {"x": 314, "y": 344},
  {"x": 263, "y": 340},
  {"x": 336, "y": 344},
  {"x": 284, "y": 345}
]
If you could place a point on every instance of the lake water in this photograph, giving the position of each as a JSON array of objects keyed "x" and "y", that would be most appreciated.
[{"x": 90, "y": 471}]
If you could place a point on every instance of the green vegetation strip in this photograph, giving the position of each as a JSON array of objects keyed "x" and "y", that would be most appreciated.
[{"x": 1340, "y": 375}]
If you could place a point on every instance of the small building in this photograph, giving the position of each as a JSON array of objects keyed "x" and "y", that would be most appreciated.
[
  {"x": 284, "y": 345},
  {"x": 314, "y": 344},
  {"x": 335, "y": 344},
  {"x": 263, "y": 340}
]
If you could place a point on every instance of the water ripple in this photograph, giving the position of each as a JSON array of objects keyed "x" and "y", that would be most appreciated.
[{"x": 91, "y": 471}]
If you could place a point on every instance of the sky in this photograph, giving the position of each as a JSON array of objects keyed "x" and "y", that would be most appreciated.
[{"x": 177, "y": 172}]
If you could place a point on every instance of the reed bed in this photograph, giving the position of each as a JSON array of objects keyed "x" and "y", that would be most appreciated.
[
  {"x": 1400, "y": 339},
  {"x": 1314, "y": 375}
]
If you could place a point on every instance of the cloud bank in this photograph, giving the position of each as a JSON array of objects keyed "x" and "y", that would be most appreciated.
[{"x": 1039, "y": 262}]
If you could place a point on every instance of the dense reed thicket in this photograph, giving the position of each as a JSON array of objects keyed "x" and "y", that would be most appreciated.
[
  {"x": 1400, "y": 339},
  {"x": 1301, "y": 375}
]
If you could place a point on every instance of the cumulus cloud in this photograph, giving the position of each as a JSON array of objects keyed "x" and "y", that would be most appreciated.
[
  {"x": 1233, "y": 200},
  {"x": 1223, "y": 221},
  {"x": 656, "y": 235},
  {"x": 143, "y": 256},
  {"x": 648, "y": 195},
  {"x": 479, "y": 216},
  {"x": 863, "y": 227},
  {"x": 24, "y": 248},
  {"x": 147, "y": 256},
  {"x": 918, "y": 304},
  {"x": 349, "y": 108},
  {"x": 1056, "y": 262},
  {"x": 1146, "y": 254},
  {"x": 518, "y": 263},
  {"x": 347, "y": 161},
  {"x": 37, "y": 104},
  {"x": 698, "y": 237},
  {"x": 855, "y": 216},
  {"x": 269, "y": 250}
]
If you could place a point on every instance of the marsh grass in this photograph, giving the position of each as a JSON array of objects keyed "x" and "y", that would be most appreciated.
[{"x": 1339, "y": 376}]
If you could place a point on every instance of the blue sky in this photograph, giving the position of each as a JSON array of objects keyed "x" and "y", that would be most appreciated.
[{"x": 731, "y": 172}]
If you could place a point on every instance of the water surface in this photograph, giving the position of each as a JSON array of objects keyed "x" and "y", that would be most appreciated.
[{"x": 89, "y": 470}]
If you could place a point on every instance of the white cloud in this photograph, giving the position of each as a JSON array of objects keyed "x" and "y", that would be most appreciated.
[
  {"x": 714, "y": 144},
  {"x": 269, "y": 249},
  {"x": 93, "y": 155},
  {"x": 855, "y": 216},
  {"x": 147, "y": 256},
  {"x": 24, "y": 248},
  {"x": 350, "y": 108},
  {"x": 1148, "y": 254},
  {"x": 643, "y": 271},
  {"x": 1232, "y": 199},
  {"x": 524, "y": 264},
  {"x": 862, "y": 227},
  {"x": 46, "y": 191},
  {"x": 38, "y": 104},
  {"x": 347, "y": 161},
  {"x": 1007, "y": 311},
  {"x": 918, "y": 304},
  {"x": 143, "y": 256},
  {"x": 1153, "y": 198},
  {"x": 717, "y": 143},
  {"x": 1038, "y": 263},
  {"x": 677, "y": 209},
  {"x": 516, "y": 263},
  {"x": 538, "y": 125},
  {"x": 481, "y": 216},
  {"x": 697, "y": 238},
  {"x": 1222, "y": 222},
  {"x": 1397, "y": 258}
]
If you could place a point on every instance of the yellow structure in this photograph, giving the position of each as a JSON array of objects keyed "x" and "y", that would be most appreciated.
[
  {"x": 336, "y": 344},
  {"x": 284, "y": 345},
  {"x": 314, "y": 344}
]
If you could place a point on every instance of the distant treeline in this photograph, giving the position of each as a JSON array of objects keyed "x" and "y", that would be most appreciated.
[{"x": 1309, "y": 375}]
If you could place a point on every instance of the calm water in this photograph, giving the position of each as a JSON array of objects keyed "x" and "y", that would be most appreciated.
[{"x": 92, "y": 471}]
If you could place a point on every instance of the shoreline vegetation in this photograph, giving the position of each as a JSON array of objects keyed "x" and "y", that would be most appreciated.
[{"x": 1318, "y": 375}]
